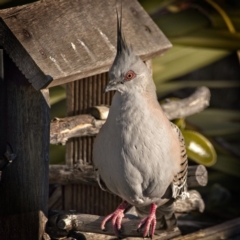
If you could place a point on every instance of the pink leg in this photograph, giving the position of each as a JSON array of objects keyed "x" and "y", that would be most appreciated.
[
  {"x": 149, "y": 221},
  {"x": 116, "y": 218}
]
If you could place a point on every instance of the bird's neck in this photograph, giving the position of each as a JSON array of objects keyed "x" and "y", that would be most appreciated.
[{"x": 136, "y": 101}]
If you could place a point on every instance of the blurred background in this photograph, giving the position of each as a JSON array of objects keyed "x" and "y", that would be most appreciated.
[{"x": 206, "y": 52}]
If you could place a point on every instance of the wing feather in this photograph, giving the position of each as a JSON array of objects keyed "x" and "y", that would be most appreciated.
[{"x": 179, "y": 184}]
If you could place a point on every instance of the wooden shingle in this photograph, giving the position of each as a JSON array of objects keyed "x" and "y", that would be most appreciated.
[{"x": 55, "y": 42}]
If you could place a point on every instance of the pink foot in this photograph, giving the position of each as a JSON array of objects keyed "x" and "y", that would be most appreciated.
[
  {"x": 116, "y": 217},
  {"x": 148, "y": 222}
]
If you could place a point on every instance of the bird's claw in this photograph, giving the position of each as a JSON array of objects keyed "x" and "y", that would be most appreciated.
[
  {"x": 148, "y": 222},
  {"x": 116, "y": 218}
]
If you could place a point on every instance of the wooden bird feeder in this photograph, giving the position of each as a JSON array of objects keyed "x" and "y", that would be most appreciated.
[{"x": 45, "y": 44}]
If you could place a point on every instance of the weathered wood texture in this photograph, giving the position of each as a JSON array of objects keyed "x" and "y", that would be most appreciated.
[
  {"x": 22, "y": 58},
  {"x": 64, "y": 175},
  {"x": 195, "y": 103},
  {"x": 197, "y": 176},
  {"x": 159, "y": 236},
  {"x": 55, "y": 200},
  {"x": 70, "y": 40},
  {"x": 3, "y": 120},
  {"x": 30, "y": 225},
  {"x": 193, "y": 203},
  {"x": 86, "y": 198},
  {"x": 24, "y": 185},
  {"x": 225, "y": 230},
  {"x": 63, "y": 129},
  {"x": 71, "y": 221},
  {"x": 62, "y": 223}
]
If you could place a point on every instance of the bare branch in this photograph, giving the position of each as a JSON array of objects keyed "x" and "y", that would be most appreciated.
[
  {"x": 198, "y": 101},
  {"x": 86, "y": 125},
  {"x": 64, "y": 222}
]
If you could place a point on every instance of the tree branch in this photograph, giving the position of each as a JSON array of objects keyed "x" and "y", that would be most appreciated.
[
  {"x": 86, "y": 125},
  {"x": 195, "y": 103},
  {"x": 61, "y": 223}
]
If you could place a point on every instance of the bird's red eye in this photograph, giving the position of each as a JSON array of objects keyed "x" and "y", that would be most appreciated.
[{"x": 130, "y": 75}]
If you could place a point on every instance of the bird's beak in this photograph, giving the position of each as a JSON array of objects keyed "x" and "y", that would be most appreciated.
[{"x": 110, "y": 86}]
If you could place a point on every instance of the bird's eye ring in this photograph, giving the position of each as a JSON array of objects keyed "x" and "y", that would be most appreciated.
[{"x": 129, "y": 75}]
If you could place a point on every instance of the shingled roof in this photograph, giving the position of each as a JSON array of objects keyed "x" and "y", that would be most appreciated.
[{"x": 57, "y": 41}]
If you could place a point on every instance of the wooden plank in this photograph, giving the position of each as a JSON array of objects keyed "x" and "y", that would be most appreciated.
[
  {"x": 24, "y": 185},
  {"x": 70, "y": 40},
  {"x": 85, "y": 198},
  {"x": 23, "y": 226},
  {"x": 67, "y": 192},
  {"x": 55, "y": 200},
  {"x": 3, "y": 120},
  {"x": 22, "y": 58}
]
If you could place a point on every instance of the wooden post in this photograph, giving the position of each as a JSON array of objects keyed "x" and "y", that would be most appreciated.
[
  {"x": 24, "y": 185},
  {"x": 2, "y": 109}
]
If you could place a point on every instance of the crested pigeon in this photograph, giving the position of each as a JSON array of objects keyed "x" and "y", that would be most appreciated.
[{"x": 139, "y": 154}]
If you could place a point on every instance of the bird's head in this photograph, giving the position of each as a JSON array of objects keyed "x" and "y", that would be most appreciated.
[{"x": 128, "y": 72}]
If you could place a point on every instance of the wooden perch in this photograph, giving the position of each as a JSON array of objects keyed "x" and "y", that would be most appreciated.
[
  {"x": 197, "y": 176},
  {"x": 64, "y": 222},
  {"x": 195, "y": 103},
  {"x": 193, "y": 203},
  {"x": 63, "y": 129},
  {"x": 62, "y": 174}
]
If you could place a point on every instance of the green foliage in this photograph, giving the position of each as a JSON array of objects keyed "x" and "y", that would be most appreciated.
[
  {"x": 180, "y": 60},
  {"x": 200, "y": 35},
  {"x": 216, "y": 122}
]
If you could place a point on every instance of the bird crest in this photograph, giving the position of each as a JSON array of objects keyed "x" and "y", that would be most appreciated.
[{"x": 121, "y": 42}]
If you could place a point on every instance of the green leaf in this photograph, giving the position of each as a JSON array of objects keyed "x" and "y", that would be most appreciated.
[
  {"x": 199, "y": 148},
  {"x": 182, "y": 23},
  {"x": 218, "y": 21},
  {"x": 172, "y": 86},
  {"x": 215, "y": 122},
  {"x": 180, "y": 60},
  {"x": 211, "y": 38},
  {"x": 228, "y": 164}
]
